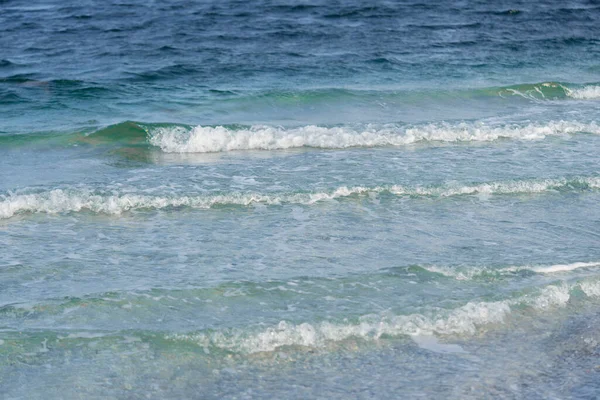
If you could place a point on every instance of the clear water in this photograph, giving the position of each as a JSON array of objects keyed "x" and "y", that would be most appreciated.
[{"x": 299, "y": 200}]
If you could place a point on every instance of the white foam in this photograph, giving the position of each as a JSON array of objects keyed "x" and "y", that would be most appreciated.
[
  {"x": 590, "y": 288},
  {"x": 465, "y": 319},
  {"x": 78, "y": 199},
  {"x": 536, "y": 93},
  {"x": 468, "y": 319},
  {"x": 59, "y": 201},
  {"x": 551, "y": 296},
  {"x": 468, "y": 273},
  {"x": 458, "y": 273},
  {"x": 509, "y": 187},
  {"x": 84, "y": 335},
  {"x": 585, "y": 93},
  {"x": 550, "y": 269},
  {"x": 206, "y": 139}
]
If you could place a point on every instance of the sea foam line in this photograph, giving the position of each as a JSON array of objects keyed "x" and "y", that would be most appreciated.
[
  {"x": 86, "y": 199},
  {"x": 464, "y": 320},
  {"x": 207, "y": 139}
]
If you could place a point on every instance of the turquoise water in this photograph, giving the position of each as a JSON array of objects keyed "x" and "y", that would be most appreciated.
[{"x": 285, "y": 200}]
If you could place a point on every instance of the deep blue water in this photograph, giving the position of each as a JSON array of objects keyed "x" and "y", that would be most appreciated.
[{"x": 327, "y": 199}]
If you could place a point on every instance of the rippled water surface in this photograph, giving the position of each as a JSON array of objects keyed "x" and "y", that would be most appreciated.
[{"x": 322, "y": 199}]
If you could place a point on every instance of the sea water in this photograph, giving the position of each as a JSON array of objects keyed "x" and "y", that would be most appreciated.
[{"x": 283, "y": 199}]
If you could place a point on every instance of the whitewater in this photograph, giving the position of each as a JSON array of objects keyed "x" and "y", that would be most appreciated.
[
  {"x": 201, "y": 139},
  {"x": 78, "y": 199}
]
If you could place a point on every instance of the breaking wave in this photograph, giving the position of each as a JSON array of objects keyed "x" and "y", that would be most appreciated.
[
  {"x": 584, "y": 93},
  {"x": 469, "y": 273},
  {"x": 552, "y": 91},
  {"x": 86, "y": 199},
  {"x": 207, "y": 139},
  {"x": 468, "y": 319}
]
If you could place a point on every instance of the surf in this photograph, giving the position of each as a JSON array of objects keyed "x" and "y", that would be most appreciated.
[
  {"x": 213, "y": 139},
  {"x": 103, "y": 201}
]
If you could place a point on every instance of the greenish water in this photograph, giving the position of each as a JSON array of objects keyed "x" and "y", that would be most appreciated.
[{"x": 282, "y": 200}]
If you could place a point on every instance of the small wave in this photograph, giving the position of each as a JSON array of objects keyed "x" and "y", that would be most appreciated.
[
  {"x": 552, "y": 91},
  {"x": 97, "y": 201},
  {"x": 465, "y": 319},
  {"x": 10, "y": 98},
  {"x": 478, "y": 272},
  {"x": 536, "y": 91},
  {"x": 468, "y": 319},
  {"x": 127, "y": 132},
  {"x": 539, "y": 91},
  {"x": 4, "y": 63},
  {"x": 19, "y": 78},
  {"x": 171, "y": 71},
  {"x": 206, "y": 139}
]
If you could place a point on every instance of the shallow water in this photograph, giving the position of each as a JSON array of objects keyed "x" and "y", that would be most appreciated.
[{"x": 317, "y": 200}]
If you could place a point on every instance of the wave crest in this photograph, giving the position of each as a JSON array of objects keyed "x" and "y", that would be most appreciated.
[
  {"x": 468, "y": 319},
  {"x": 552, "y": 91},
  {"x": 207, "y": 139},
  {"x": 80, "y": 199},
  {"x": 470, "y": 273},
  {"x": 465, "y": 319}
]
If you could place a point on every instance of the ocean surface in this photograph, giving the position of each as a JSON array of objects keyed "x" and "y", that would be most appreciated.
[{"x": 299, "y": 200}]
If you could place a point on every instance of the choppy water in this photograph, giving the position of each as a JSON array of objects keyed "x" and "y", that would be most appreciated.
[{"x": 276, "y": 199}]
